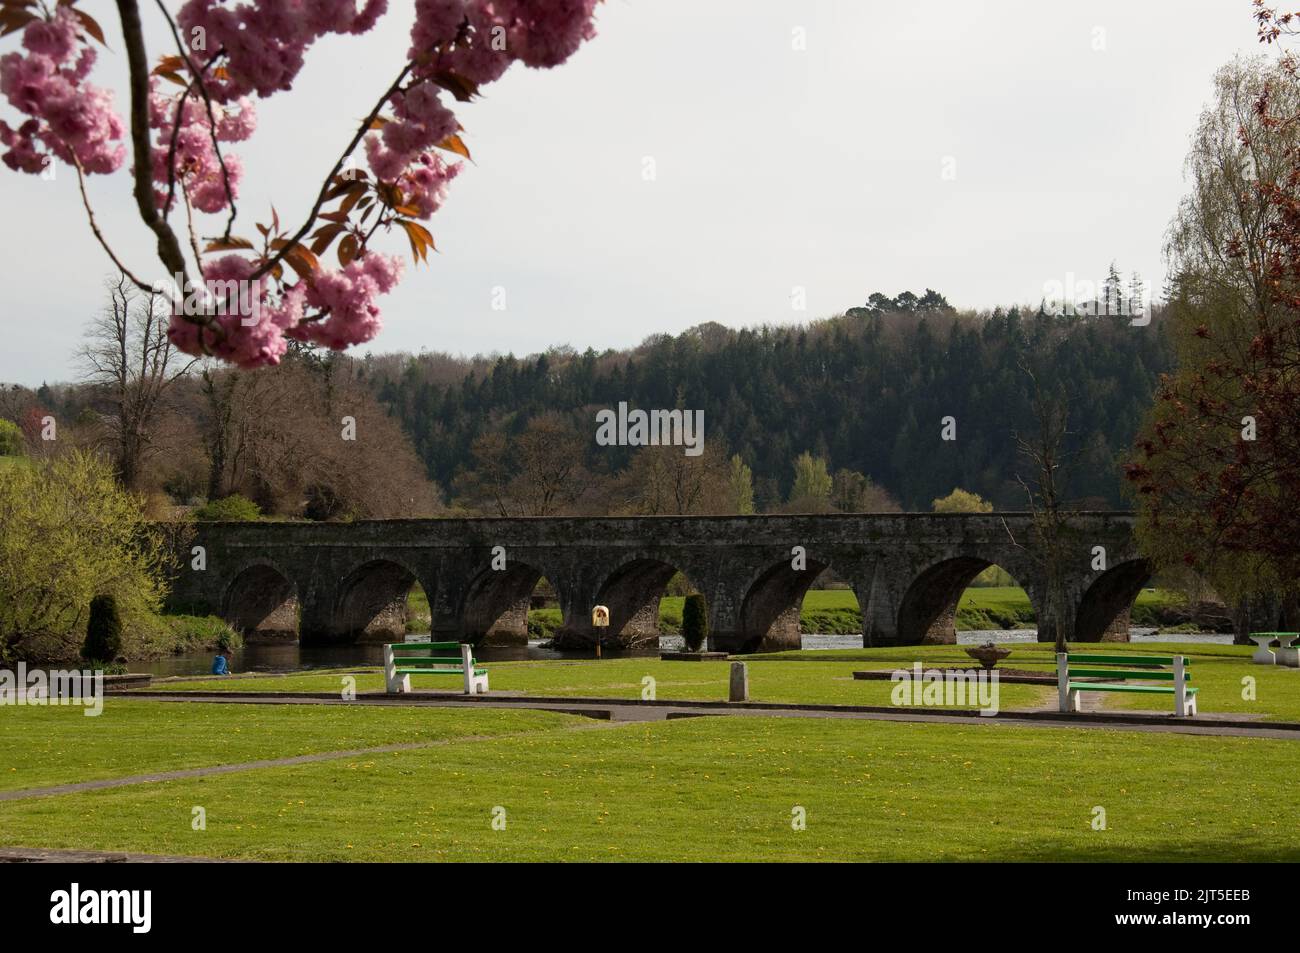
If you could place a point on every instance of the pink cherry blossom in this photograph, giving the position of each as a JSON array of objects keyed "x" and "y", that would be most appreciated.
[
  {"x": 251, "y": 321},
  {"x": 73, "y": 119},
  {"x": 195, "y": 165},
  {"x": 424, "y": 184},
  {"x": 265, "y": 41},
  {"x": 247, "y": 48},
  {"x": 348, "y": 295}
]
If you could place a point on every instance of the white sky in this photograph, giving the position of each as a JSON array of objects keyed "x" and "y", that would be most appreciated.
[{"x": 775, "y": 168}]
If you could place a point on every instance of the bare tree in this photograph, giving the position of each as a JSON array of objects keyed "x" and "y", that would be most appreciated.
[
  {"x": 551, "y": 475},
  {"x": 129, "y": 359},
  {"x": 663, "y": 480},
  {"x": 1044, "y": 455},
  {"x": 306, "y": 439}
]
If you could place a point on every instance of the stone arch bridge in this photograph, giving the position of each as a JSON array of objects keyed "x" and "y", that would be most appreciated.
[{"x": 339, "y": 582}]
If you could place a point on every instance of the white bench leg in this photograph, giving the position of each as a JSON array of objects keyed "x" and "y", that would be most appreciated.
[
  {"x": 393, "y": 683},
  {"x": 1064, "y": 701},
  {"x": 472, "y": 681},
  {"x": 1183, "y": 703}
]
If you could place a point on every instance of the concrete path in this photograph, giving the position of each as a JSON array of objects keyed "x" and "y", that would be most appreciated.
[
  {"x": 46, "y": 855},
  {"x": 78, "y": 787},
  {"x": 620, "y": 710}
]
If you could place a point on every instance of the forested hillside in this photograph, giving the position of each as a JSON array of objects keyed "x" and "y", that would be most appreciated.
[{"x": 866, "y": 392}]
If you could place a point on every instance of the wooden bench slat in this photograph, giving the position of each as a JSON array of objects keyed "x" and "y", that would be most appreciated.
[{"x": 437, "y": 671}]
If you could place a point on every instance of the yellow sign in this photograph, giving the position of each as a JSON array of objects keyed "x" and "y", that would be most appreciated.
[{"x": 600, "y": 616}]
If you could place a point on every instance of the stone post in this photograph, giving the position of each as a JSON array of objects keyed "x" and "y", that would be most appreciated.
[{"x": 739, "y": 682}]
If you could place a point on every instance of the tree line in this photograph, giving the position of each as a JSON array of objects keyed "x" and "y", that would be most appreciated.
[
  {"x": 848, "y": 413},
  {"x": 863, "y": 396}
]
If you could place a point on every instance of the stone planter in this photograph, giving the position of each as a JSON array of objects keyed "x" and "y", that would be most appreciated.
[{"x": 988, "y": 654}]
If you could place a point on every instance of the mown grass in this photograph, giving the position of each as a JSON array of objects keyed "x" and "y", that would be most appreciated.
[
  {"x": 822, "y": 683},
  {"x": 1223, "y": 674},
  {"x": 41, "y": 746},
  {"x": 711, "y": 789},
  {"x": 826, "y": 677}
]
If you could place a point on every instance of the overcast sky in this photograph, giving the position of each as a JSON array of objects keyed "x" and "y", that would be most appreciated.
[{"x": 1062, "y": 126}]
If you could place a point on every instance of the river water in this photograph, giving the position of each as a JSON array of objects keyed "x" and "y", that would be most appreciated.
[{"x": 294, "y": 658}]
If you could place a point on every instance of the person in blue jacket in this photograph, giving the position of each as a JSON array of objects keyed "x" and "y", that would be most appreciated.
[{"x": 219, "y": 664}]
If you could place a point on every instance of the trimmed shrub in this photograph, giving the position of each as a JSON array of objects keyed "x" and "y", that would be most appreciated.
[
  {"x": 695, "y": 621},
  {"x": 234, "y": 508},
  {"x": 103, "y": 631}
]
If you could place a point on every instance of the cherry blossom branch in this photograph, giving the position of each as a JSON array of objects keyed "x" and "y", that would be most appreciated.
[
  {"x": 365, "y": 127},
  {"x": 169, "y": 247},
  {"x": 94, "y": 227},
  {"x": 212, "y": 119}
]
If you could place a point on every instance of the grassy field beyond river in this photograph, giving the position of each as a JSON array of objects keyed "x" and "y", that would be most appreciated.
[{"x": 836, "y": 611}]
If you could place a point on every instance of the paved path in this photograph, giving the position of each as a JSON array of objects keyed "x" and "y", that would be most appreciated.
[
  {"x": 49, "y": 855},
  {"x": 615, "y": 709},
  {"x": 78, "y": 787}
]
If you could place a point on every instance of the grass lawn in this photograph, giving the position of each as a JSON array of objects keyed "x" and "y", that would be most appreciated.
[
  {"x": 813, "y": 682},
  {"x": 1217, "y": 671},
  {"x": 41, "y": 746},
  {"x": 826, "y": 677},
  {"x": 715, "y": 789}
]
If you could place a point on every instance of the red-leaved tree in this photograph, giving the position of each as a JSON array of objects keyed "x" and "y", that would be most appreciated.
[{"x": 1217, "y": 466}]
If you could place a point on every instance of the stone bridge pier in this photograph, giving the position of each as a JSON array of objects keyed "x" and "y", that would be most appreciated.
[{"x": 348, "y": 582}]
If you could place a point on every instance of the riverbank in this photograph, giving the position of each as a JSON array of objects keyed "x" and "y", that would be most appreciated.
[{"x": 836, "y": 612}]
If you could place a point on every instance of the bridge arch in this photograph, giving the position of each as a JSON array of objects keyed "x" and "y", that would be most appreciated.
[
  {"x": 1106, "y": 604},
  {"x": 495, "y": 608},
  {"x": 632, "y": 590},
  {"x": 261, "y": 603},
  {"x": 769, "y": 612},
  {"x": 927, "y": 612},
  {"x": 371, "y": 601}
]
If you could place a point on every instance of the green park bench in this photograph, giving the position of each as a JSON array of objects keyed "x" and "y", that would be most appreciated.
[
  {"x": 1119, "y": 671},
  {"x": 400, "y": 664}
]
